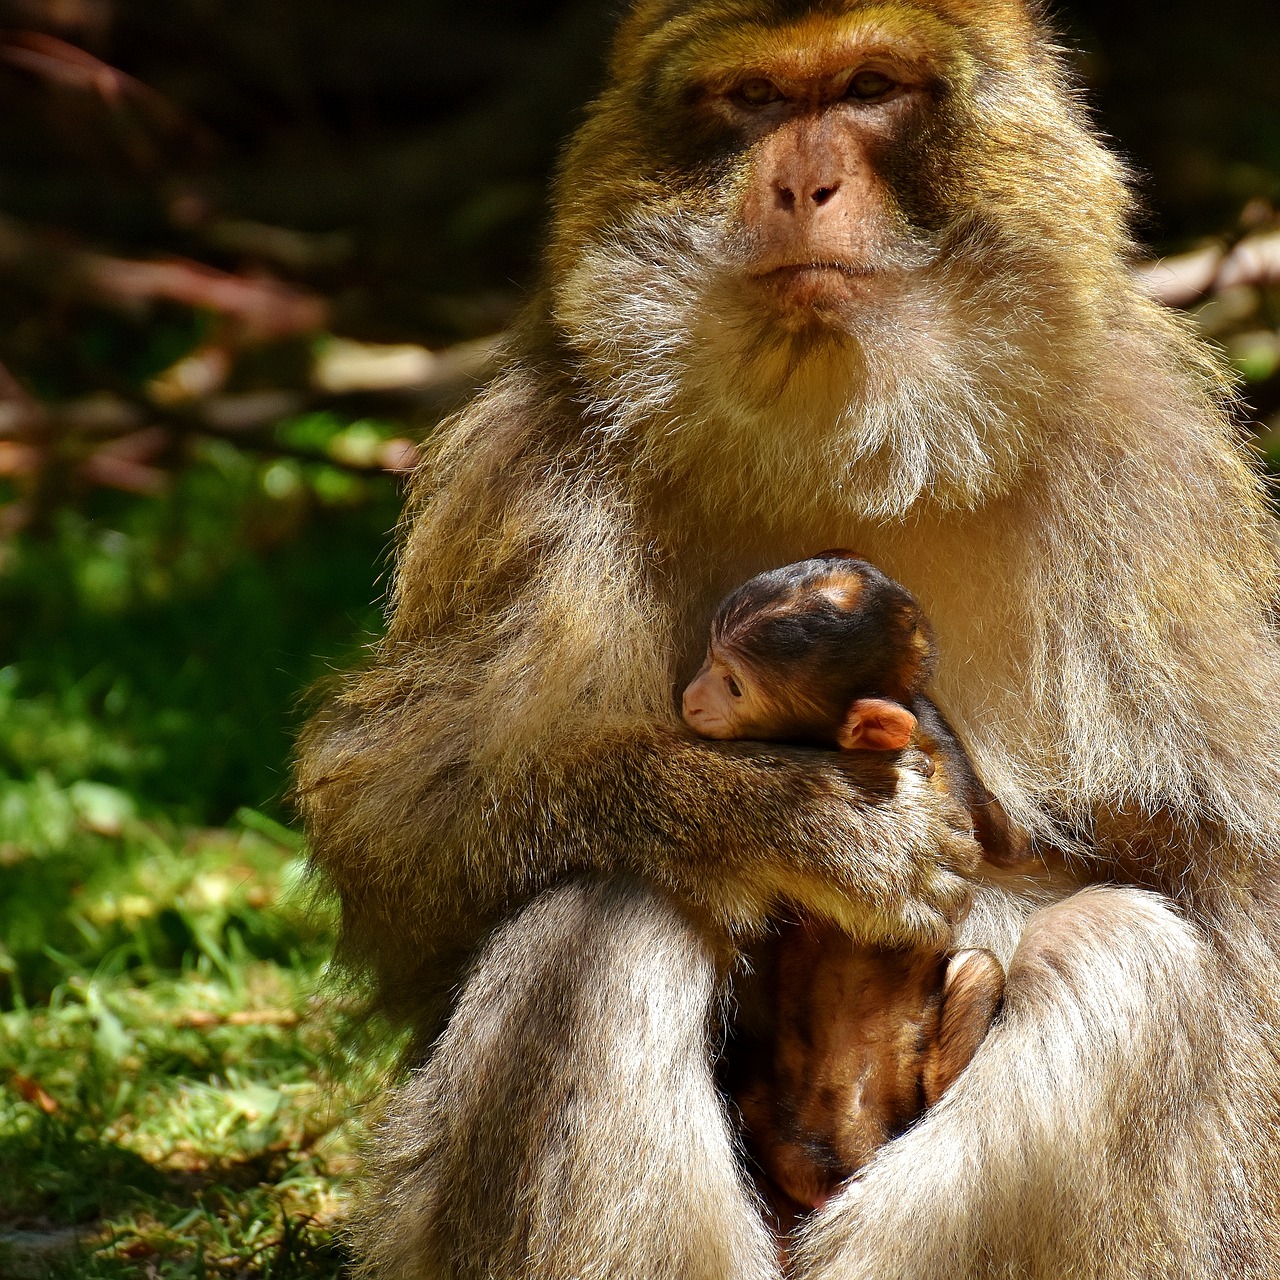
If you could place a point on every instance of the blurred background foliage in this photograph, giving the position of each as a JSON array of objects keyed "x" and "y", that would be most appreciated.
[{"x": 250, "y": 253}]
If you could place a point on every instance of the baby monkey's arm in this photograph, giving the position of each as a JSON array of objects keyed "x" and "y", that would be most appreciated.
[{"x": 1003, "y": 844}]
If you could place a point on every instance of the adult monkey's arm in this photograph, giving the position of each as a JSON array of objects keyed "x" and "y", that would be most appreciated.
[{"x": 517, "y": 724}]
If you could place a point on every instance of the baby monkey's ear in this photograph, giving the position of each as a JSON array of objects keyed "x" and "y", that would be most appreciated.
[{"x": 876, "y": 724}]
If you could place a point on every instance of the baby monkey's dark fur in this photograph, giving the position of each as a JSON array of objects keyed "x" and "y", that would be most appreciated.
[{"x": 824, "y": 633}]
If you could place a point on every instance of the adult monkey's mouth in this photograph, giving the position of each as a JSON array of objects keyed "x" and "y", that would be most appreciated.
[
  {"x": 792, "y": 269},
  {"x": 814, "y": 284}
]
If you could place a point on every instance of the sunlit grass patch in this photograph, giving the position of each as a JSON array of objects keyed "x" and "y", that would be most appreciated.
[
  {"x": 177, "y": 1082},
  {"x": 178, "y": 1090}
]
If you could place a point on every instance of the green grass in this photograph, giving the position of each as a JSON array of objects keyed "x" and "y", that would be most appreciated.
[
  {"x": 178, "y": 1087},
  {"x": 164, "y": 646}
]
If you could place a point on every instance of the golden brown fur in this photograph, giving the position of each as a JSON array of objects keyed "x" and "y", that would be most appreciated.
[
  {"x": 1044, "y": 460},
  {"x": 864, "y": 1040}
]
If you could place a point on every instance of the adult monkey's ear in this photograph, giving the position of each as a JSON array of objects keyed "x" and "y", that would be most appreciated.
[
  {"x": 876, "y": 724},
  {"x": 640, "y": 26}
]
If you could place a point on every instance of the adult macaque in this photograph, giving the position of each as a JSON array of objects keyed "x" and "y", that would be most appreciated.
[
  {"x": 824, "y": 274},
  {"x": 857, "y": 1041}
]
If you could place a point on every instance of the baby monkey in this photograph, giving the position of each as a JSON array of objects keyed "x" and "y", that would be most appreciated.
[{"x": 832, "y": 652}]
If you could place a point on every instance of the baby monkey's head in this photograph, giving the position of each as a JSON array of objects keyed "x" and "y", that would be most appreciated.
[{"x": 828, "y": 650}]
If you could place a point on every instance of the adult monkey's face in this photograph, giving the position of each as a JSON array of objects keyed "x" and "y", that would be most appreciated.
[
  {"x": 819, "y": 139},
  {"x": 844, "y": 221}
]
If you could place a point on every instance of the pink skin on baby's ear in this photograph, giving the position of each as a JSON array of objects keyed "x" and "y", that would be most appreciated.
[{"x": 876, "y": 724}]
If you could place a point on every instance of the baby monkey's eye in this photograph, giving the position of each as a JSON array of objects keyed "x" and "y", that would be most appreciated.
[
  {"x": 870, "y": 85},
  {"x": 732, "y": 686},
  {"x": 758, "y": 92}
]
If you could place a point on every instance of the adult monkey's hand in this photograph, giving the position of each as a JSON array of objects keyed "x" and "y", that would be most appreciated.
[{"x": 734, "y": 830}]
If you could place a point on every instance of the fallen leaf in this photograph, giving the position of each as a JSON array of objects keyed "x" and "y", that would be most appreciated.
[{"x": 34, "y": 1092}]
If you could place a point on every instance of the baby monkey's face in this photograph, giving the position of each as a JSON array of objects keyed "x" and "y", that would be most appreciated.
[
  {"x": 725, "y": 700},
  {"x": 729, "y": 698},
  {"x": 810, "y": 654}
]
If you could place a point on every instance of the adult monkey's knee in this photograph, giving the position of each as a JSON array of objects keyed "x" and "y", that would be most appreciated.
[
  {"x": 1094, "y": 1093},
  {"x": 1117, "y": 997},
  {"x": 1143, "y": 1053},
  {"x": 566, "y": 1124}
]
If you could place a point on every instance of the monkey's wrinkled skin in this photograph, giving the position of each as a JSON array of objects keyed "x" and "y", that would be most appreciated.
[{"x": 824, "y": 274}]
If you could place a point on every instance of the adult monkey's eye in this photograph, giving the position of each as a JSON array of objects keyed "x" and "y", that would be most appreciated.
[
  {"x": 869, "y": 85},
  {"x": 732, "y": 685},
  {"x": 758, "y": 92}
]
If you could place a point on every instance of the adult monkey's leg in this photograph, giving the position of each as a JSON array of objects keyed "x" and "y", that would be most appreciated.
[
  {"x": 567, "y": 1125},
  {"x": 1109, "y": 1124}
]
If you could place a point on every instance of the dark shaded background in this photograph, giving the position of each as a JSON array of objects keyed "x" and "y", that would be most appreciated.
[
  {"x": 1190, "y": 92},
  {"x": 423, "y": 131}
]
